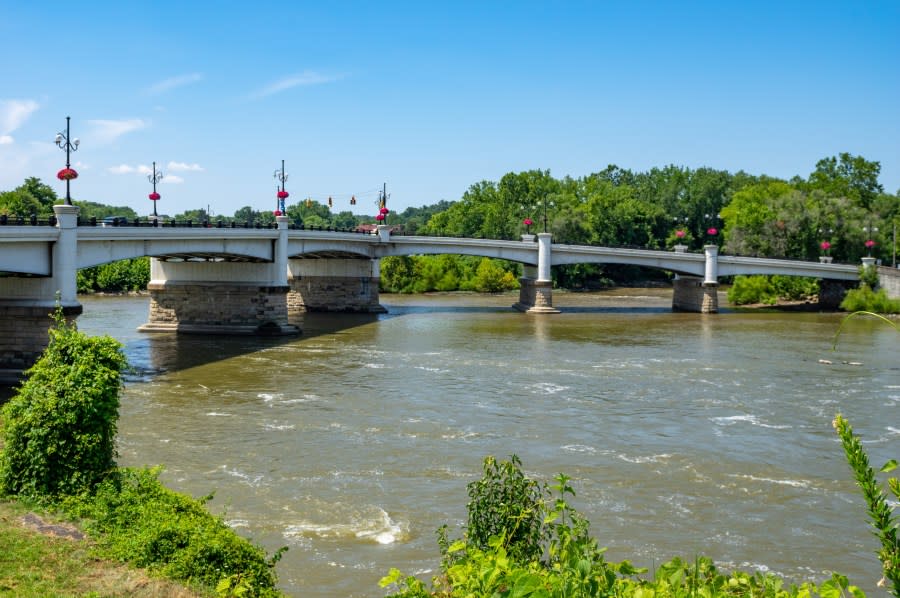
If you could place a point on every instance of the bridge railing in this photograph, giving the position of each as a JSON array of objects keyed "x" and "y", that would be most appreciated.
[
  {"x": 170, "y": 223},
  {"x": 33, "y": 220}
]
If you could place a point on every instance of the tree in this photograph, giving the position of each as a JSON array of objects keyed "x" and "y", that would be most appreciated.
[
  {"x": 41, "y": 192},
  {"x": 848, "y": 176},
  {"x": 19, "y": 203}
]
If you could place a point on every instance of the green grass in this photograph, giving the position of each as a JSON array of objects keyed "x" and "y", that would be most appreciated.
[{"x": 35, "y": 564}]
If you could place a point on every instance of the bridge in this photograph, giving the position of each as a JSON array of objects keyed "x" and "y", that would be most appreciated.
[{"x": 233, "y": 280}]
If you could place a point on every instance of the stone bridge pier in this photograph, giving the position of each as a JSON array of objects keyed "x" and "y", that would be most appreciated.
[
  {"x": 536, "y": 283},
  {"x": 334, "y": 284},
  {"x": 218, "y": 297},
  {"x": 695, "y": 294}
]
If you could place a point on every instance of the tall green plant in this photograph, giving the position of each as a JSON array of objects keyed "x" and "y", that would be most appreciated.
[
  {"x": 60, "y": 427},
  {"x": 885, "y": 526}
]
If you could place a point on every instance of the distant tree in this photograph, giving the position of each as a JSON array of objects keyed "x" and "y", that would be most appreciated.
[
  {"x": 848, "y": 176},
  {"x": 41, "y": 192},
  {"x": 19, "y": 203}
]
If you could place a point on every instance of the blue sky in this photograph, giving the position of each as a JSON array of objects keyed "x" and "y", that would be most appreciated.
[{"x": 432, "y": 97}]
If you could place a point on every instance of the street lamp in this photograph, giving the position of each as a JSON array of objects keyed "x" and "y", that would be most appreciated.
[
  {"x": 281, "y": 176},
  {"x": 67, "y": 173},
  {"x": 154, "y": 178},
  {"x": 547, "y": 203},
  {"x": 383, "y": 211},
  {"x": 713, "y": 221},
  {"x": 870, "y": 242}
]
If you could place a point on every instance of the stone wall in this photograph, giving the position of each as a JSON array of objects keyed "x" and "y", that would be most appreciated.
[
  {"x": 218, "y": 308},
  {"x": 691, "y": 294},
  {"x": 336, "y": 285},
  {"x": 535, "y": 296},
  {"x": 334, "y": 293},
  {"x": 889, "y": 280},
  {"x": 23, "y": 336}
]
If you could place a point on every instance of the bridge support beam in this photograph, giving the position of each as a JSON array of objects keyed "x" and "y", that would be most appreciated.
[
  {"x": 334, "y": 285},
  {"x": 221, "y": 297},
  {"x": 692, "y": 294},
  {"x": 28, "y": 302},
  {"x": 536, "y": 284}
]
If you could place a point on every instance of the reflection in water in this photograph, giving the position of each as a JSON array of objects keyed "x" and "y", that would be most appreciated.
[{"x": 685, "y": 434}]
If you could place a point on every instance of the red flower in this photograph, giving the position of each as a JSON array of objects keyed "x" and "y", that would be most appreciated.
[
  {"x": 67, "y": 174},
  {"x": 870, "y": 243},
  {"x": 528, "y": 222},
  {"x": 679, "y": 233},
  {"x": 383, "y": 211},
  {"x": 154, "y": 196},
  {"x": 825, "y": 245},
  {"x": 712, "y": 231},
  {"x": 283, "y": 194},
  {"x": 379, "y": 217},
  {"x": 277, "y": 212}
]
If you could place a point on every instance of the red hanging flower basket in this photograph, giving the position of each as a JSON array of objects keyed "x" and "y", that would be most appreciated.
[
  {"x": 154, "y": 196},
  {"x": 379, "y": 217},
  {"x": 825, "y": 245},
  {"x": 67, "y": 174},
  {"x": 383, "y": 211},
  {"x": 870, "y": 243},
  {"x": 528, "y": 222},
  {"x": 277, "y": 212},
  {"x": 283, "y": 195},
  {"x": 680, "y": 233},
  {"x": 712, "y": 231}
]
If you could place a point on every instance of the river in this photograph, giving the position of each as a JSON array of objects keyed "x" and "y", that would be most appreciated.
[{"x": 685, "y": 434}]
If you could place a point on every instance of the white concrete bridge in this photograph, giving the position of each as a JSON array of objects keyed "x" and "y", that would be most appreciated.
[{"x": 247, "y": 280}]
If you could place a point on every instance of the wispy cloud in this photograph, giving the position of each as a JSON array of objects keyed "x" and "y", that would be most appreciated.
[
  {"x": 173, "y": 179},
  {"x": 303, "y": 79},
  {"x": 184, "y": 167},
  {"x": 173, "y": 82},
  {"x": 122, "y": 169},
  {"x": 107, "y": 131},
  {"x": 12, "y": 114},
  {"x": 128, "y": 169}
]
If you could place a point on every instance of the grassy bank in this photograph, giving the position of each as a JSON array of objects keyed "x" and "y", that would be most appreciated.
[{"x": 44, "y": 556}]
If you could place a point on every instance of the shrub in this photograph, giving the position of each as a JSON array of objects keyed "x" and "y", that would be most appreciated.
[
  {"x": 60, "y": 427},
  {"x": 884, "y": 525},
  {"x": 865, "y": 299},
  {"x": 142, "y": 522},
  {"x": 768, "y": 289}
]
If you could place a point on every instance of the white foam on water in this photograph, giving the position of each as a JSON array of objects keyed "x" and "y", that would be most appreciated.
[
  {"x": 794, "y": 483},
  {"x": 218, "y": 414},
  {"x": 374, "y": 366},
  {"x": 278, "y": 427},
  {"x": 645, "y": 459},
  {"x": 730, "y": 420},
  {"x": 893, "y": 430},
  {"x": 579, "y": 448},
  {"x": 254, "y": 481},
  {"x": 550, "y": 388},
  {"x": 379, "y": 529},
  {"x": 235, "y": 523}
]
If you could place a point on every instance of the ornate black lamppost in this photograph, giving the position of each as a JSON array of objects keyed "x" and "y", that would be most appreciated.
[
  {"x": 870, "y": 242},
  {"x": 67, "y": 173},
  {"x": 547, "y": 203},
  {"x": 381, "y": 217},
  {"x": 154, "y": 178},
  {"x": 281, "y": 177},
  {"x": 712, "y": 230}
]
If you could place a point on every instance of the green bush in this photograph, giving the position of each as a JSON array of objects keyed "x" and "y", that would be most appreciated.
[
  {"x": 884, "y": 524},
  {"x": 539, "y": 547},
  {"x": 60, "y": 427},
  {"x": 123, "y": 275},
  {"x": 140, "y": 521},
  {"x": 865, "y": 299},
  {"x": 769, "y": 289}
]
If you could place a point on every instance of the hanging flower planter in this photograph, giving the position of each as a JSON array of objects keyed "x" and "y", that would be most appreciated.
[
  {"x": 380, "y": 217},
  {"x": 154, "y": 196},
  {"x": 67, "y": 174},
  {"x": 383, "y": 211},
  {"x": 283, "y": 195},
  {"x": 680, "y": 234},
  {"x": 712, "y": 231},
  {"x": 277, "y": 212},
  {"x": 825, "y": 246}
]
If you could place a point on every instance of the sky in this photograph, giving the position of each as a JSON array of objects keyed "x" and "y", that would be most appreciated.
[{"x": 430, "y": 98}]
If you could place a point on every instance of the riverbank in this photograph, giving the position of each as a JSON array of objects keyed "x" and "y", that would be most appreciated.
[{"x": 47, "y": 556}]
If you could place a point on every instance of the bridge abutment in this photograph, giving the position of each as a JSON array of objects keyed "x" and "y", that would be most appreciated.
[{"x": 334, "y": 285}]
